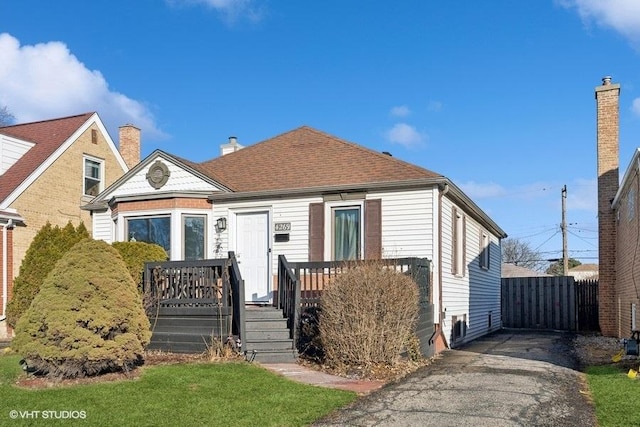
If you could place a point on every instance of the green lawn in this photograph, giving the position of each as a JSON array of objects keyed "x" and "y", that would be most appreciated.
[
  {"x": 224, "y": 394},
  {"x": 616, "y": 397}
]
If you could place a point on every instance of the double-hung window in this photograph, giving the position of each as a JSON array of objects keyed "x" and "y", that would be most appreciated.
[
  {"x": 93, "y": 176},
  {"x": 346, "y": 233}
]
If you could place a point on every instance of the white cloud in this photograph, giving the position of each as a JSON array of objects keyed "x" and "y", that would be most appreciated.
[
  {"x": 231, "y": 9},
  {"x": 400, "y": 111},
  {"x": 621, "y": 15},
  {"x": 477, "y": 190},
  {"x": 635, "y": 106},
  {"x": 406, "y": 135},
  {"x": 46, "y": 80}
]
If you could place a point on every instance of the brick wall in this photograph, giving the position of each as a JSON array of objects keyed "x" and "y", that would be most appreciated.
[
  {"x": 56, "y": 196},
  {"x": 627, "y": 254},
  {"x": 173, "y": 203},
  {"x": 607, "y": 101}
]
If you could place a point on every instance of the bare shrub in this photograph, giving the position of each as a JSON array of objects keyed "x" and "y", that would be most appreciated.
[{"x": 367, "y": 315}]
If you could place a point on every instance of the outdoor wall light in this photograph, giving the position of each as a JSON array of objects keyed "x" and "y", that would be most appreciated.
[{"x": 221, "y": 224}]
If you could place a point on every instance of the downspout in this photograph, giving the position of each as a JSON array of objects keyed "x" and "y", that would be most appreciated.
[
  {"x": 441, "y": 194},
  {"x": 5, "y": 264}
]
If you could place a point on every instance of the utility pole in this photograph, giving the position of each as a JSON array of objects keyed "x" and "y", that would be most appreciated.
[{"x": 563, "y": 227}]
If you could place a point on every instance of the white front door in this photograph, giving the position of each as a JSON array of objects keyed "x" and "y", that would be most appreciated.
[{"x": 252, "y": 252}]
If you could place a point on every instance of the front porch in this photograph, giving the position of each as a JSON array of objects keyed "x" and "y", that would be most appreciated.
[{"x": 192, "y": 303}]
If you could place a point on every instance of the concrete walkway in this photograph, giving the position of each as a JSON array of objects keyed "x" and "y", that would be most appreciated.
[{"x": 506, "y": 379}]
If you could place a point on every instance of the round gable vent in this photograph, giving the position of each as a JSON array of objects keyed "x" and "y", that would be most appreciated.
[{"x": 158, "y": 174}]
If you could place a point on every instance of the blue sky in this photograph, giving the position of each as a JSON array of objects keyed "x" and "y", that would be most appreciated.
[{"x": 496, "y": 95}]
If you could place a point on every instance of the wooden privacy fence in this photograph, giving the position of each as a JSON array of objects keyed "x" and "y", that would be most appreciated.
[{"x": 557, "y": 303}]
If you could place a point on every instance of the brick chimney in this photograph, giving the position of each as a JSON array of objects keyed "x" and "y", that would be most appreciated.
[
  {"x": 607, "y": 101},
  {"x": 129, "y": 145}
]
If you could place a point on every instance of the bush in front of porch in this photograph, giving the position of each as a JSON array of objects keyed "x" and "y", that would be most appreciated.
[{"x": 367, "y": 316}]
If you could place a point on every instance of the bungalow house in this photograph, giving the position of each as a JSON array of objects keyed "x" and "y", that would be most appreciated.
[
  {"x": 312, "y": 196},
  {"x": 618, "y": 222},
  {"x": 48, "y": 169}
]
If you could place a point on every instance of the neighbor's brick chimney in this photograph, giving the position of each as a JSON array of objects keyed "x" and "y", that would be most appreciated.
[
  {"x": 129, "y": 145},
  {"x": 607, "y": 101}
]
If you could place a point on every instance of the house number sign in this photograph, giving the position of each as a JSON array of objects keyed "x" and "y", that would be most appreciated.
[{"x": 282, "y": 227}]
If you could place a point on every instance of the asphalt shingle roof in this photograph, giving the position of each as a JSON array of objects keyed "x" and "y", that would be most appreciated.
[
  {"x": 48, "y": 136},
  {"x": 306, "y": 158}
]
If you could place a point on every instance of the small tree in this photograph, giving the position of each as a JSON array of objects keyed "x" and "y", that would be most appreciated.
[
  {"x": 47, "y": 247},
  {"x": 367, "y": 315},
  {"x": 557, "y": 268},
  {"x": 519, "y": 252},
  {"x": 87, "y": 319}
]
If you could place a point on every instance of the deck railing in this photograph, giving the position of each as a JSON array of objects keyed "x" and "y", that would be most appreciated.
[
  {"x": 214, "y": 283},
  {"x": 300, "y": 284}
]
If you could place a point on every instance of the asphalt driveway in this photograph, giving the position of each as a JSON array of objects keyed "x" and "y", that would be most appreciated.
[{"x": 509, "y": 378}]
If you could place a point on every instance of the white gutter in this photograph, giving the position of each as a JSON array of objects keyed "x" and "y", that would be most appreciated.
[{"x": 5, "y": 276}]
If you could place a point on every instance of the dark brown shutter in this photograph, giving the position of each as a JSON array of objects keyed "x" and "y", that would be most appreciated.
[
  {"x": 373, "y": 229},
  {"x": 316, "y": 231}
]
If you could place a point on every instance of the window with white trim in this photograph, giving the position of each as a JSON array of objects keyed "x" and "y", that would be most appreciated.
[
  {"x": 346, "y": 233},
  {"x": 485, "y": 252},
  {"x": 93, "y": 171},
  {"x": 194, "y": 232}
]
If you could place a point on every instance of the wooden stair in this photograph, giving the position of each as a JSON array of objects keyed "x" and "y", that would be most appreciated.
[{"x": 267, "y": 336}]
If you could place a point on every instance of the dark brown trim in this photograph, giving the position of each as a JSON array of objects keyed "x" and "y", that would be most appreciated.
[
  {"x": 316, "y": 231},
  {"x": 373, "y": 229}
]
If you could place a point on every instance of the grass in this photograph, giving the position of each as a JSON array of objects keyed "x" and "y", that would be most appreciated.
[
  {"x": 225, "y": 394},
  {"x": 615, "y": 396}
]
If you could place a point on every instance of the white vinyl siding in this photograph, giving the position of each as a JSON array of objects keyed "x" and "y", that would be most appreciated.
[
  {"x": 407, "y": 223},
  {"x": 11, "y": 150},
  {"x": 103, "y": 226},
  {"x": 179, "y": 180},
  {"x": 477, "y": 293}
]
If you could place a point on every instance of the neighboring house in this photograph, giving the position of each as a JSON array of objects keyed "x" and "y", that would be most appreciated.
[
  {"x": 311, "y": 197},
  {"x": 584, "y": 272},
  {"x": 48, "y": 169},
  {"x": 512, "y": 270},
  {"x": 618, "y": 222}
]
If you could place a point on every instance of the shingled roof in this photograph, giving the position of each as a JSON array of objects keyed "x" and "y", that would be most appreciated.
[
  {"x": 306, "y": 158},
  {"x": 48, "y": 136}
]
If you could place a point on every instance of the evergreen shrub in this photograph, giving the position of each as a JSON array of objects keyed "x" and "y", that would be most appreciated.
[
  {"x": 87, "y": 318},
  {"x": 47, "y": 247},
  {"x": 135, "y": 254}
]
